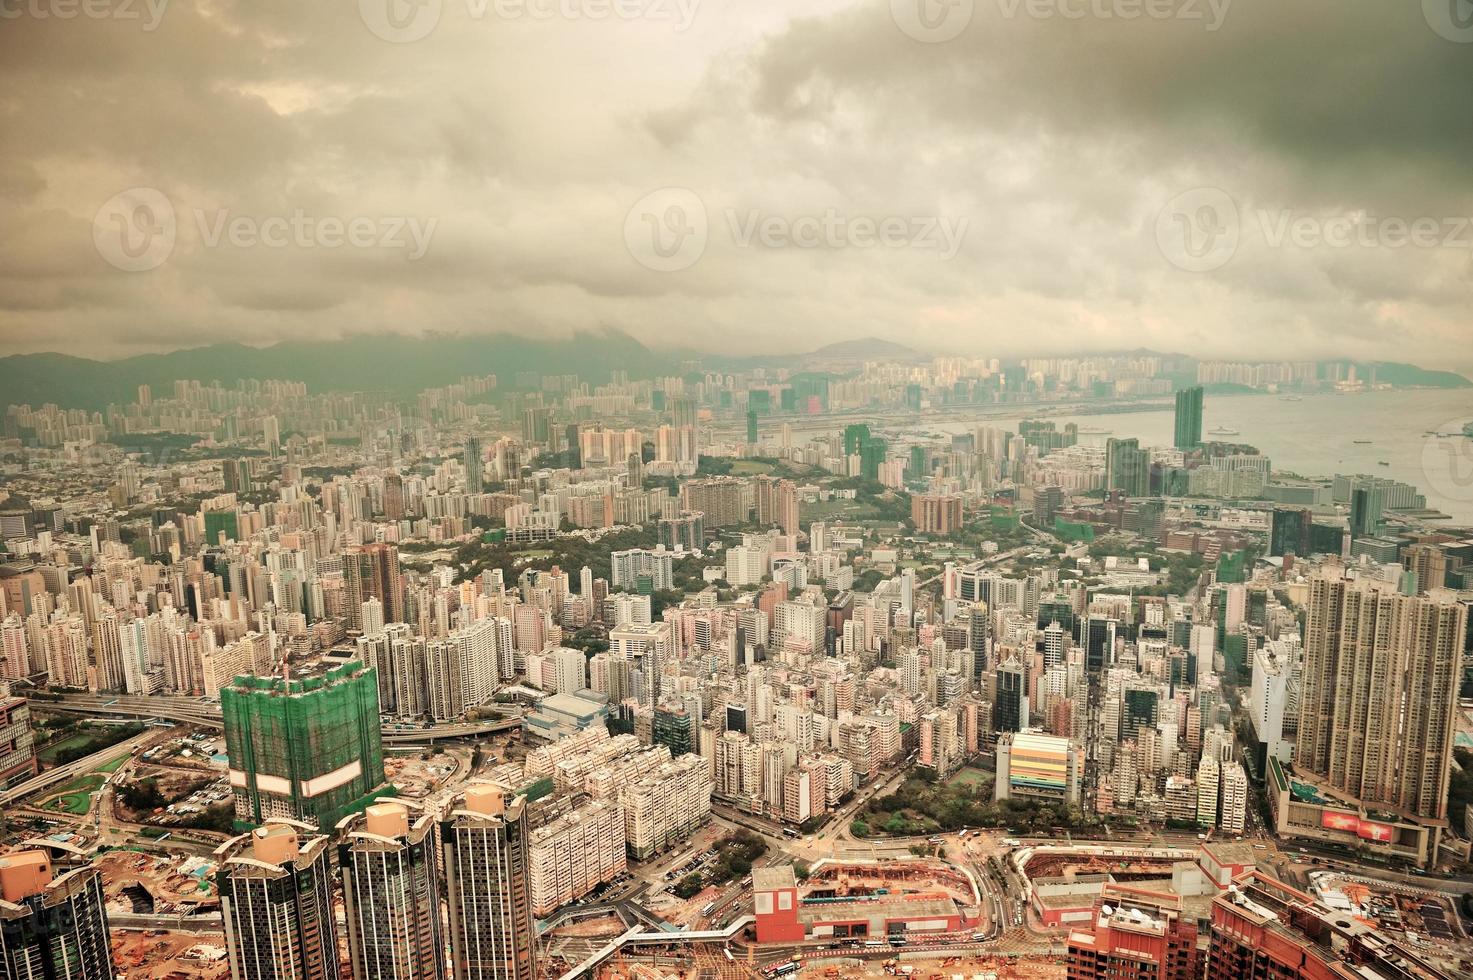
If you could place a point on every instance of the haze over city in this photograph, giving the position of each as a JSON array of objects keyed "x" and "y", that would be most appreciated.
[{"x": 695, "y": 490}]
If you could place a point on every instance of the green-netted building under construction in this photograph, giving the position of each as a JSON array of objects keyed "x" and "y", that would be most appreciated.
[{"x": 308, "y": 748}]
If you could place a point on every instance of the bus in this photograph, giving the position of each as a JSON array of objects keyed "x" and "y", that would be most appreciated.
[
  {"x": 729, "y": 957},
  {"x": 898, "y": 940},
  {"x": 872, "y": 944},
  {"x": 708, "y": 908},
  {"x": 784, "y": 970},
  {"x": 790, "y": 833}
]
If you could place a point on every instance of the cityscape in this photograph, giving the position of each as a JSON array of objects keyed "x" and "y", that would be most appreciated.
[
  {"x": 697, "y": 490},
  {"x": 760, "y": 672}
]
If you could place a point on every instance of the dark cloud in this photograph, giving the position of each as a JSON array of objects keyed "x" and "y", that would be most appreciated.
[{"x": 1058, "y": 140}]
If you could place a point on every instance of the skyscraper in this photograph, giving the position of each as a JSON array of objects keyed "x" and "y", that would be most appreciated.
[
  {"x": 391, "y": 892},
  {"x": 1189, "y": 418},
  {"x": 275, "y": 887},
  {"x": 484, "y": 837},
  {"x": 52, "y": 929},
  {"x": 1379, "y": 692},
  {"x": 308, "y": 748},
  {"x": 1127, "y": 467},
  {"x": 373, "y": 570},
  {"x": 473, "y": 464}
]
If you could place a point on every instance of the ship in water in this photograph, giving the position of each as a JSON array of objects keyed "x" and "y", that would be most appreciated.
[
  {"x": 1290, "y": 398},
  {"x": 1362, "y": 442},
  {"x": 1222, "y": 430}
]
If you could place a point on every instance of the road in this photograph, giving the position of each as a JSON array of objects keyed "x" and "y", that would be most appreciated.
[
  {"x": 206, "y": 714},
  {"x": 71, "y": 770}
]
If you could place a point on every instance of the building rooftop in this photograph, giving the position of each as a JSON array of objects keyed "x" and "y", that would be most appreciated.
[{"x": 770, "y": 879}]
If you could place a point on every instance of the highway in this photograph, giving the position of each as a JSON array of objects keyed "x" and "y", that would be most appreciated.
[
  {"x": 206, "y": 714},
  {"x": 80, "y": 767}
]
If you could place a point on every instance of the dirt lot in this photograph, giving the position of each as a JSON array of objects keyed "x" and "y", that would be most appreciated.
[{"x": 142, "y": 956}]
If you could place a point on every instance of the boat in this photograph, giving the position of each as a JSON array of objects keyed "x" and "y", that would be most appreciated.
[
  {"x": 1290, "y": 398},
  {"x": 1093, "y": 430},
  {"x": 1468, "y": 429},
  {"x": 1361, "y": 442},
  {"x": 1222, "y": 430},
  {"x": 1382, "y": 462}
]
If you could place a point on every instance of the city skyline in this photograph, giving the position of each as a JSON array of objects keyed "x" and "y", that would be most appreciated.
[{"x": 736, "y": 490}]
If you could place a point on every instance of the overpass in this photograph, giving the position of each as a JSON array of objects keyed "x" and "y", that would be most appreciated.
[{"x": 205, "y": 713}]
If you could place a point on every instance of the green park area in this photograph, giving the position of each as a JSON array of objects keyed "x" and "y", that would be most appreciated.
[
  {"x": 76, "y": 796},
  {"x": 978, "y": 780},
  {"x": 923, "y": 806}
]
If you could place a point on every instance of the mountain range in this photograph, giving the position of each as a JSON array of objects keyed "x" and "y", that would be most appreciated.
[{"x": 401, "y": 365}]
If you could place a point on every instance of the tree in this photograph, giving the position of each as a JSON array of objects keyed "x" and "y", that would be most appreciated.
[{"x": 689, "y": 886}]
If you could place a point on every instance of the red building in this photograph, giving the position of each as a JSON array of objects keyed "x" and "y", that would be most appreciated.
[
  {"x": 1267, "y": 930},
  {"x": 1138, "y": 934},
  {"x": 775, "y": 902}
]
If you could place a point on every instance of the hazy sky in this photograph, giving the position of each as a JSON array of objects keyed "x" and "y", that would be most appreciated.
[{"x": 1245, "y": 179}]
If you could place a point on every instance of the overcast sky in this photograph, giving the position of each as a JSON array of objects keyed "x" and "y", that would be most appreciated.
[{"x": 1274, "y": 178}]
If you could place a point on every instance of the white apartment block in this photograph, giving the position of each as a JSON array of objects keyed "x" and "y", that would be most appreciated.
[{"x": 574, "y": 854}]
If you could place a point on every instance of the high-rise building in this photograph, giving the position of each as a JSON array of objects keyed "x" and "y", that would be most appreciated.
[
  {"x": 484, "y": 837},
  {"x": 721, "y": 500},
  {"x": 373, "y": 570},
  {"x": 474, "y": 482},
  {"x": 575, "y": 853},
  {"x": 1127, "y": 467},
  {"x": 307, "y": 749},
  {"x": 1291, "y": 531},
  {"x": 777, "y": 503},
  {"x": 52, "y": 928},
  {"x": 1189, "y": 418},
  {"x": 276, "y": 900},
  {"x": 936, "y": 513},
  {"x": 391, "y": 892},
  {"x": 1138, "y": 934},
  {"x": 17, "y": 743},
  {"x": 1379, "y": 694}
]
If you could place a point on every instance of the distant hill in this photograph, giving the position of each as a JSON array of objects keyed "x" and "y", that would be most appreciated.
[
  {"x": 865, "y": 347},
  {"x": 1409, "y": 375},
  {"x": 395, "y": 364}
]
